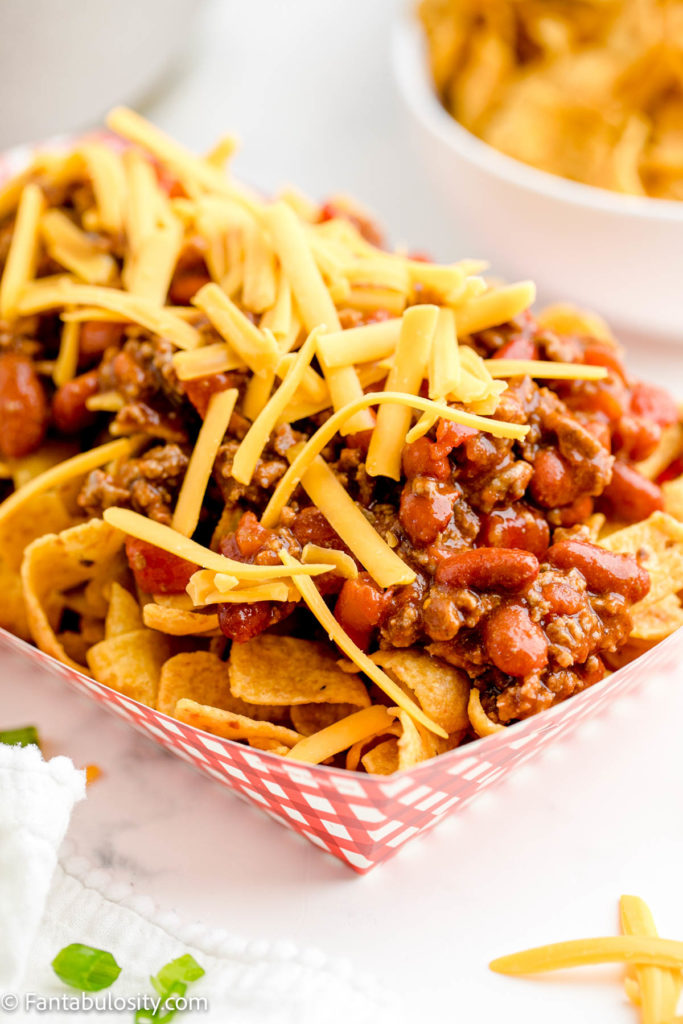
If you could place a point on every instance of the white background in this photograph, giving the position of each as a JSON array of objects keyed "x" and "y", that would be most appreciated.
[{"x": 543, "y": 857}]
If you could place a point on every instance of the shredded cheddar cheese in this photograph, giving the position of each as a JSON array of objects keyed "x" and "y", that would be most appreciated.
[
  {"x": 405, "y": 376},
  {"x": 314, "y": 303},
  {"x": 69, "y": 245},
  {"x": 360, "y": 725},
  {"x": 212, "y": 432},
  {"x": 66, "y": 362},
  {"x": 250, "y": 450},
  {"x": 136, "y": 525},
  {"x": 62, "y": 472},
  {"x": 326, "y": 432},
  {"x": 494, "y": 307},
  {"x": 316, "y": 604},
  {"x": 255, "y": 347},
  {"x": 346, "y": 518},
  {"x": 23, "y": 251}
]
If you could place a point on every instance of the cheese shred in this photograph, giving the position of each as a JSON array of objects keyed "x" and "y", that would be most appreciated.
[{"x": 317, "y": 606}]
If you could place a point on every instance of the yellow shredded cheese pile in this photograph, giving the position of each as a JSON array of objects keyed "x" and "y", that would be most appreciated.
[{"x": 284, "y": 282}]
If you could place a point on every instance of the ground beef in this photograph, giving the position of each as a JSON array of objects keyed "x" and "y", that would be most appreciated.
[{"x": 148, "y": 484}]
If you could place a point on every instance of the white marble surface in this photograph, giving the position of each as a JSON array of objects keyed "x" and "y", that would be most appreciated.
[{"x": 545, "y": 855}]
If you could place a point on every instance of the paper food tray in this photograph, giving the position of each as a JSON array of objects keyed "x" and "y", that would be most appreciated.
[{"x": 364, "y": 819}]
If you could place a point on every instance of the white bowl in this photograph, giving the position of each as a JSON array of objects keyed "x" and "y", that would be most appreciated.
[
  {"x": 62, "y": 65},
  {"x": 621, "y": 255}
]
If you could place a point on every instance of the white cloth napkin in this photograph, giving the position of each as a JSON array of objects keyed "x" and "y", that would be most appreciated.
[{"x": 46, "y": 905}]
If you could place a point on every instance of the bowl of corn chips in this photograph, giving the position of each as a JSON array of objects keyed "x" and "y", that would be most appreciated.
[{"x": 557, "y": 142}]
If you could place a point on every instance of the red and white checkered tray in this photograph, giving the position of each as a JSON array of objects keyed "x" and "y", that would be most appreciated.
[
  {"x": 361, "y": 819},
  {"x": 364, "y": 819}
]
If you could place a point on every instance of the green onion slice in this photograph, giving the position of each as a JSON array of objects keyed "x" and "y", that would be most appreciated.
[
  {"x": 85, "y": 967},
  {"x": 26, "y": 737},
  {"x": 171, "y": 984}
]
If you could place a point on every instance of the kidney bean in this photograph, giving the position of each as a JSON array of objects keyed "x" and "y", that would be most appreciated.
[
  {"x": 69, "y": 410},
  {"x": 577, "y": 512},
  {"x": 636, "y": 438},
  {"x": 360, "y": 440},
  {"x": 242, "y": 622},
  {"x": 157, "y": 571},
  {"x": 603, "y": 571},
  {"x": 24, "y": 410},
  {"x": 450, "y": 435},
  {"x": 562, "y": 598},
  {"x": 311, "y": 527},
  {"x": 488, "y": 569},
  {"x": 653, "y": 403},
  {"x": 552, "y": 484},
  {"x": 672, "y": 471},
  {"x": 425, "y": 513},
  {"x": 186, "y": 284},
  {"x": 96, "y": 336},
  {"x": 250, "y": 535},
  {"x": 517, "y": 526},
  {"x": 600, "y": 430},
  {"x": 424, "y": 458},
  {"x": 608, "y": 397},
  {"x": 631, "y": 495},
  {"x": 359, "y": 608},
  {"x": 200, "y": 390},
  {"x": 130, "y": 377},
  {"x": 515, "y": 644},
  {"x": 518, "y": 348}
]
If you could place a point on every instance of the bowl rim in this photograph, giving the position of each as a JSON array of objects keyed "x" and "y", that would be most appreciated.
[{"x": 412, "y": 74}]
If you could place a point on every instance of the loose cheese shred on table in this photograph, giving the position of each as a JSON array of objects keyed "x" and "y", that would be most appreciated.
[
  {"x": 326, "y": 432},
  {"x": 654, "y": 979},
  {"x": 346, "y": 518},
  {"x": 631, "y": 949},
  {"x": 314, "y": 303},
  {"x": 164, "y": 537},
  {"x": 658, "y": 988},
  {"x": 406, "y": 376},
  {"x": 20, "y": 265},
  {"x": 211, "y": 434},
  {"x": 252, "y": 446},
  {"x": 317, "y": 606},
  {"x": 361, "y": 725}
]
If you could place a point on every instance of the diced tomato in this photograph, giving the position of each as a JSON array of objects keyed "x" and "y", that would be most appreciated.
[
  {"x": 604, "y": 355},
  {"x": 200, "y": 390},
  {"x": 359, "y": 608},
  {"x": 451, "y": 435},
  {"x": 653, "y": 403},
  {"x": 518, "y": 348},
  {"x": 157, "y": 571}
]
